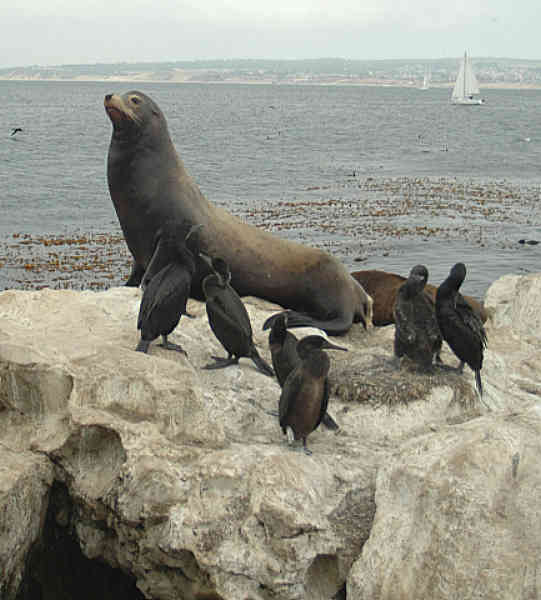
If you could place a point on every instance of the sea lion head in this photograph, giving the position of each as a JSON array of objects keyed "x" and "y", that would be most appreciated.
[{"x": 134, "y": 114}]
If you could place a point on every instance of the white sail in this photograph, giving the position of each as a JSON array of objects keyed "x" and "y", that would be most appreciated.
[{"x": 466, "y": 86}]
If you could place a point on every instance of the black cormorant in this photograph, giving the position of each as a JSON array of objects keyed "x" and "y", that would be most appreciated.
[
  {"x": 167, "y": 283},
  {"x": 417, "y": 334},
  {"x": 460, "y": 326},
  {"x": 305, "y": 394},
  {"x": 283, "y": 347},
  {"x": 229, "y": 320}
]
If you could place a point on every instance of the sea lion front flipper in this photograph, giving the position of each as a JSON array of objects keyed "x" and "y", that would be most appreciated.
[{"x": 136, "y": 275}]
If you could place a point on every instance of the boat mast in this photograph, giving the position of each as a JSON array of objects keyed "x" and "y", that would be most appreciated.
[{"x": 464, "y": 74}]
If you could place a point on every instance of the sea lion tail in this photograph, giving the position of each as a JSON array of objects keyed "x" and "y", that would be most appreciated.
[{"x": 260, "y": 363}]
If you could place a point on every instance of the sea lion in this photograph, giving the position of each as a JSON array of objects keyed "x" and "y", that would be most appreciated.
[
  {"x": 460, "y": 326},
  {"x": 169, "y": 276},
  {"x": 149, "y": 186},
  {"x": 305, "y": 395},
  {"x": 383, "y": 287},
  {"x": 417, "y": 334},
  {"x": 229, "y": 320}
]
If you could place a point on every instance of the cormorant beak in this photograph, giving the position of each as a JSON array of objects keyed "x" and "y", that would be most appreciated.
[
  {"x": 330, "y": 346},
  {"x": 207, "y": 259},
  {"x": 193, "y": 229}
]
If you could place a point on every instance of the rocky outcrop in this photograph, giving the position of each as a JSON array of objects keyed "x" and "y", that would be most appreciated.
[
  {"x": 457, "y": 510},
  {"x": 179, "y": 478},
  {"x": 457, "y": 515}
]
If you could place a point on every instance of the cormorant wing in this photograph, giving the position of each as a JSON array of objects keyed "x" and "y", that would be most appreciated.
[
  {"x": 171, "y": 281},
  {"x": 290, "y": 391},
  {"x": 471, "y": 319},
  {"x": 324, "y": 401},
  {"x": 405, "y": 320},
  {"x": 159, "y": 260},
  {"x": 230, "y": 308},
  {"x": 285, "y": 358}
]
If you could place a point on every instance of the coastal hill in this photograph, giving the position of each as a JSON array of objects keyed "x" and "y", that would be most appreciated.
[{"x": 491, "y": 72}]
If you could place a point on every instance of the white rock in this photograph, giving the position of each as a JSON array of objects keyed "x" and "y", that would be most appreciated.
[{"x": 182, "y": 479}]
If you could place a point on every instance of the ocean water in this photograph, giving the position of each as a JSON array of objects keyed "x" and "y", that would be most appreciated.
[{"x": 382, "y": 177}]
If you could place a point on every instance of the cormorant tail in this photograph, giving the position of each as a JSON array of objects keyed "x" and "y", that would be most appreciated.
[
  {"x": 260, "y": 363},
  {"x": 142, "y": 346},
  {"x": 329, "y": 422},
  {"x": 478, "y": 383}
]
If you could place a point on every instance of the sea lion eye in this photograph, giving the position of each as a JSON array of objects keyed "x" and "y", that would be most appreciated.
[{"x": 135, "y": 100}]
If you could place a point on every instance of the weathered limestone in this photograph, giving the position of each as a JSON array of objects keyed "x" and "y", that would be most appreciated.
[
  {"x": 458, "y": 510},
  {"x": 458, "y": 515},
  {"x": 25, "y": 479},
  {"x": 181, "y": 478}
]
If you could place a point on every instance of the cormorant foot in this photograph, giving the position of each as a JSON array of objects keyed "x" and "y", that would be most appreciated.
[
  {"x": 171, "y": 346},
  {"x": 221, "y": 363},
  {"x": 142, "y": 346}
]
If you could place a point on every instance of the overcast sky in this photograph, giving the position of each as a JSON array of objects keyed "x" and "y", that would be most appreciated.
[{"x": 49, "y": 32}]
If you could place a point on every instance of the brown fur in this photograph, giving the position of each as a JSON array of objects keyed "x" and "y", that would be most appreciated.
[
  {"x": 149, "y": 186},
  {"x": 383, "y": 287}
]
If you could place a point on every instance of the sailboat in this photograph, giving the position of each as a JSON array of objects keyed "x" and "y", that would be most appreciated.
[
  {"x": 466, "y": 86},
  {"x": 426, "y": 80}
]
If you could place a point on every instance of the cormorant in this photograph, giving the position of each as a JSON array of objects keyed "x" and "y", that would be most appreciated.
[
  {"x": 167, "y": 283},
  {"x": 460, "y": 326},
  {"x": 15, "y": 130},
  {"x": 305, "y": 394},
  {"x": 229, "y": 320},
  {"x": 417, "y": 334},
  {"x": 283, "y": 347}
]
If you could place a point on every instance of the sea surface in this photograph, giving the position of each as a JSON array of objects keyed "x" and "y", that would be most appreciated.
[{"x": 382, "y": 177}]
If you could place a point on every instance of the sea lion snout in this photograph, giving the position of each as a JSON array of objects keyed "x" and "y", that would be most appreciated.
[{"x": 117, "y": 109}]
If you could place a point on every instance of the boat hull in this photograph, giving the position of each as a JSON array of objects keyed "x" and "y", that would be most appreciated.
[{"x": 468, "y": 101}]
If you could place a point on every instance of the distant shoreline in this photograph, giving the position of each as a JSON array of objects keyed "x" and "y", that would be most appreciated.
[{"x": 148, "y": 78}]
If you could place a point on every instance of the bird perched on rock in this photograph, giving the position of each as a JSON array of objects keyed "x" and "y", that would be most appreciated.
[
  {"x": 417, "y": 334},
  {"x": 229, "y": 320},
  {"x": 167, "y": 283},
  {"x": 305, "y": 394},
  {"x": 283, "y": 347},
  {"x": 460, "y": 326}
]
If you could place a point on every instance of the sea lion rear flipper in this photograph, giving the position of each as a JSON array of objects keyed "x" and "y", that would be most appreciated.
[{"x": 338, "y": 325}]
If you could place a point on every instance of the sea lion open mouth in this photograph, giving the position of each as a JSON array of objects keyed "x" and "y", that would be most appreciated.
[{"x": 117, "y": 110}]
